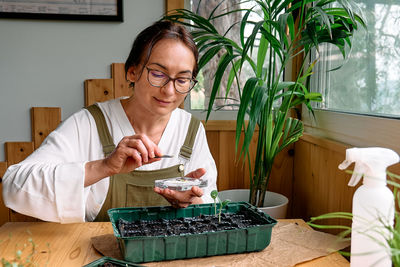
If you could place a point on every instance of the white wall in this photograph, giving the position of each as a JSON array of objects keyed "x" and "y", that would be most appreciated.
[{"x": 44, "y": 63}]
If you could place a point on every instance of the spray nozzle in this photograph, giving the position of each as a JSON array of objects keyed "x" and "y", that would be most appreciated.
[{"x": 370, "y": 162}]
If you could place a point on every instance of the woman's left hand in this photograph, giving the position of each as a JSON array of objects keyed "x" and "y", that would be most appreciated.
[{"x": 182, "y": 199}]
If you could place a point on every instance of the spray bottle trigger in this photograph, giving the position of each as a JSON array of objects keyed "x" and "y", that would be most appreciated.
[
  {"x": 355, "y": 178},
  {"x": 345, "y": 164},
  {"x": 357, "y": 174}
]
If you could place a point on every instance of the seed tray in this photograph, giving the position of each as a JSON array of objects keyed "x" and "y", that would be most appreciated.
[
  {"x": 158, "y": 248},
  {"x": 109, "y": 262}
]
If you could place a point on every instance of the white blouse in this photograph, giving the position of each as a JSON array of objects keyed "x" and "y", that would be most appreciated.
[{"x": 49, "y": 184}]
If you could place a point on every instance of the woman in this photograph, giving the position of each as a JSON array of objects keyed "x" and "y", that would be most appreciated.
[{"x": 78, "y": 173}]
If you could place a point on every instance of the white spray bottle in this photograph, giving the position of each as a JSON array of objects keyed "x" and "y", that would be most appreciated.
[{"x": 373, "y": 206}]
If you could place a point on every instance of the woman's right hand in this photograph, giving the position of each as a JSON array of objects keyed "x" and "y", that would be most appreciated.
[{"x": 130, "y": 153}]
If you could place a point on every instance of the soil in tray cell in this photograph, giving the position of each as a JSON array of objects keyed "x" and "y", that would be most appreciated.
[{"x": 187, "y": 225}]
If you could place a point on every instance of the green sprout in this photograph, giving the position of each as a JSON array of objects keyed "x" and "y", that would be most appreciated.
[
  {"x": 23, "y": 254},
  {"x": 214, "y": 195},
  {"x": 223, "y": 204}
]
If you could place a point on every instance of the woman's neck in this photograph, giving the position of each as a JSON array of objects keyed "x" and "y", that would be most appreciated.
[{"x": 144, "y": 123}]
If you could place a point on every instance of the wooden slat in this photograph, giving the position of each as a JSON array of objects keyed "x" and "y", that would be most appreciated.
[
  {"x": 281, "y": 180},
  {"x": 252, "y": 153},
  {"x": 174, "y": 4},
  {"x": 319, "y": 186},
  {"x": 17, "y": 151},
  {"x": 213, "y": 141},
  {"x": 231, "y": 171},
  {"x": 98, "y": 90},
  {"x": 4, "y": 216},
  {"x": 325, "y": 143},
  {"x": 121, "y": 85},
  {"x": 220, "y": 125},
  {"x": 44, "y": 120}
]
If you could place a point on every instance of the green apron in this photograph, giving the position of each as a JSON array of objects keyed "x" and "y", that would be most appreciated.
[{"x": 135, "y": 189}]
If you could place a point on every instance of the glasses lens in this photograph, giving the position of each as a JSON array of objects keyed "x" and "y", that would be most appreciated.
[
  {"x": 157, "y": 78},
  {"x": 183, "y": 85}
]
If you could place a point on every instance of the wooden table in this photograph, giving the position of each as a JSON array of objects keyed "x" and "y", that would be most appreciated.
[{"x": 70, "y": 244}]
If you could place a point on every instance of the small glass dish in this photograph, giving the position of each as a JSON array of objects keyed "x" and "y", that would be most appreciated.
[{"x": 180, "y": 183}]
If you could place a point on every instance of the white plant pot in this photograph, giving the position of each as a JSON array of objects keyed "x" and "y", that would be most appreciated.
[{"x": 275, "y": 204}]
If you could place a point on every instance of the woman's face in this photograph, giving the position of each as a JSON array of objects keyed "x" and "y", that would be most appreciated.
[{"x": 171, "y": 57}]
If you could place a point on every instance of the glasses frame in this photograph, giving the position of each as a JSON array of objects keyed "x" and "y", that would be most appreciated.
[{"x": 170, "y": 79}]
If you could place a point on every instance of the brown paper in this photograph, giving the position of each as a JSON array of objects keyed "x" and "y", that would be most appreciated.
[
  {"x": 107, "y": 245},
  {"x": 290, "y": 244}
]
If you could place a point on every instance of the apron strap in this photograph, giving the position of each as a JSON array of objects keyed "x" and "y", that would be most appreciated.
[
  {"x": 186, "y": 149},
  {"x": 104, "y": 134}
]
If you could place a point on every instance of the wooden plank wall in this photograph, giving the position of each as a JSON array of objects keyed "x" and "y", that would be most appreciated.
[
  {"x": 174, "y": 4},
  {"x": 4, "y": 213},
  {"x": 99, "y": 90},
  {"x": 16, "y": 152},
  {"x": 319, "y": 186},
  {"x": 232, "y": 173},
  {"x": 43, "y": 121}
]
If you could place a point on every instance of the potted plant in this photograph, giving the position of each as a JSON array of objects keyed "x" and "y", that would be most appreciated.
[{"x": 286, "y": 29}]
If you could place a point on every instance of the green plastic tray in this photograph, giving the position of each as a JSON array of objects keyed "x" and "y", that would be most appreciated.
[
  {"x": 115, "y": 262},
  {"x": 159, "y": 248}
]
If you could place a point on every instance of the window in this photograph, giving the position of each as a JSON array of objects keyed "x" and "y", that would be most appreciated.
[
  {"x": 368, "y": 83},
  {"x": 197, "y": 100}
]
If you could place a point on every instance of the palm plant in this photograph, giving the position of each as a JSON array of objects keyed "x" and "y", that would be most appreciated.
[{"x": 286, "y": 29}]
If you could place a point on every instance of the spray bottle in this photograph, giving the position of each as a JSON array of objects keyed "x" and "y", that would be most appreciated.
[{"x": 373, "y": 206}]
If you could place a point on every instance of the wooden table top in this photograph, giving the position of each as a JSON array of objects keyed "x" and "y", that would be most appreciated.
[{"x": 70, "y": 244}]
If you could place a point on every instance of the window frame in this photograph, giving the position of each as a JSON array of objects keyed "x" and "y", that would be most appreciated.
[
  {"x": 360, "y": 130},
  {"x": 353, "y": 129}
]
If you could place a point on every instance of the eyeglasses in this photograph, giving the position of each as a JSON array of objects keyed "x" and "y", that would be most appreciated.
[{"x": 158, "y": 78}]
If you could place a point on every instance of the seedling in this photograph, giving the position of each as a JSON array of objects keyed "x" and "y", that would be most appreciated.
[
  {"x": 23, "y": 254},
  {"x": 214, "y": 195},
  {"x": 223, "y": 204}
]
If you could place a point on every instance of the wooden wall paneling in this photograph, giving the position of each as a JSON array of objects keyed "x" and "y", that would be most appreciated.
[
  {"x": 213, "y": 144},
  {"x": 220, "y": 125},
  {"x": 302, "y": 179},
  {"x": 252, "y": 152},
  {"x": 231, "y": 170},
  {"x": 281, "y": 180},
  {"x": 16, "y": 152},
  {"x": 174, "y": 4},
  {"x": 44, "y": 120},
  {"x": 319, "y": 187},
  {"x": 98, "y": 90},
  {"x": 4, "y": 212},
  {"x": 395, "y": 169},
  {"x": 120, "y": 84}
]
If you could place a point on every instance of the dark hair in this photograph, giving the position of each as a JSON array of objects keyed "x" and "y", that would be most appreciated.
[{"x": 145, "y": 41}]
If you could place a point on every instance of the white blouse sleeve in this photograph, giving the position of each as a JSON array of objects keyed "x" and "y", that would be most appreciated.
[
  {"x": 201, "y": 158},
  {"x": 49, "y": 184}
]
